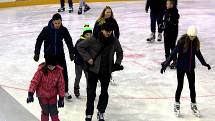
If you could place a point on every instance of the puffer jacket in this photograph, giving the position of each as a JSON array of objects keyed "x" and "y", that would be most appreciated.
[
  {"x": 53, "y": 40},
  {"x": 48, "y": 85}
]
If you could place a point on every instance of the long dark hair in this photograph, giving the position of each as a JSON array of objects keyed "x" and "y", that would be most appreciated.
[{"x": 185, "y": 40}]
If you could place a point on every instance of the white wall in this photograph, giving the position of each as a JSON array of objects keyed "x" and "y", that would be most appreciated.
[{"x": 7, "y": 0}]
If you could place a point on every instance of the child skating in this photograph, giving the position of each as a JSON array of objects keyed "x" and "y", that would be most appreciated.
[{"x": 48, "y": 82}]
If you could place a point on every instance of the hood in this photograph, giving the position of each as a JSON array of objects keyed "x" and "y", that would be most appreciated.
[{"x": 50, "y": 25}]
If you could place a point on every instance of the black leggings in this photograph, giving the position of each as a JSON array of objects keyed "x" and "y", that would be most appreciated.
[
  {"x": 191, "y": 80},
  {"x": 62, "y": 3}
]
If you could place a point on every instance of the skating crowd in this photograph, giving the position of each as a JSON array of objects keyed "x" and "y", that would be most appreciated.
[{"x": 93, "y": 54}]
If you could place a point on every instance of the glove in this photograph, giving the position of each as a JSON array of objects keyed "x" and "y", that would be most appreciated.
[
  {"x": 72, "y": 57},
  {"x": 30, "y": 97},
  {"x": 207, "y": 65},
  {"x": 36, "y": 57},
  {"x": 117, "y": 67},
  {"x": 61, "y": 102},
  {"x": 163, "y": 70}
]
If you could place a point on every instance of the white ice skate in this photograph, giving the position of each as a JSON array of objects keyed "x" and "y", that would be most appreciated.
[
  {"x": 151, "y": 38},
  {"x": 159, "y": 37},
  {"x": 177, "y": 109},
  {"x": 195, "y": 110}
]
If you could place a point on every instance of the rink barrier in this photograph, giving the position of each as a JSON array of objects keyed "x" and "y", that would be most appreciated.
[
  {"x": 44, "y": 2},
  {"x": 123, "y": 97}
]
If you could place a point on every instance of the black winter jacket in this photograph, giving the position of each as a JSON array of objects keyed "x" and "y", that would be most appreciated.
[
  {"x": 170, "y": 19},
  {"x": 53, "y": 43},
  {"x": 97, "y": 29},
  {"x": 186, "y": 61}
]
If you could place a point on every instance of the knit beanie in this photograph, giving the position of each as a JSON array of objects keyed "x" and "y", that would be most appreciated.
[
  {"x": 192, "y": 31},
  {"x": 87, "y": 29}
]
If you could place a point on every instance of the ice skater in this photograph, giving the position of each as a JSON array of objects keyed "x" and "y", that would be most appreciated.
[
  {"x": 62, "y": 6},
  {"x": 100, "y": 59},
  {"x": 48, "y": 82},
  {"x": 170, "y": 26},
  {"x": 52, "y": 36},
  {"x": 106, "y": 16},
  {"x": 79, "y": 62},
  {"x": 187, "y": 48},
  {"x": 81, "y": 4},
  {"x": 157, "y": 8}
]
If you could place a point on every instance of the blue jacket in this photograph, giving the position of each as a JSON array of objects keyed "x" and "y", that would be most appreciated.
[
  {"x": 53, "y": 43},
  {"x": 186, "y": 60}
]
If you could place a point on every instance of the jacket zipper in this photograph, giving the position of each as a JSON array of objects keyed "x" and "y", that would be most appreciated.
[
  {"x": 55, "y": 42},
  {"x": 191, "y": 52}
]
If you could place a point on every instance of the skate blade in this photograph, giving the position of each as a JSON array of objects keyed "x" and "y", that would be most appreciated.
[{"x": 197, "y": 114}]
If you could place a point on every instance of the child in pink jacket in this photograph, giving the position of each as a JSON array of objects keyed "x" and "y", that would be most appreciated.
[{"x": 48, "y": 82}]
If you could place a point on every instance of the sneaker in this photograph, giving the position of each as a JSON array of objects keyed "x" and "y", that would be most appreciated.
[
  {"x": 86, "y": 8},
  {"x": 88, "y": 118},
  {"x": 100, "y": 116},
  {"x": 80, "y": 10},
  {"x": 151, "y": 38},
  {"x": 76, "y": 91},
  {"x": 68, "y": 96},
  {"x": 159, "y": 37},
  {"x": 70, "y": 9},
  {"x": 61, "y": 9}
]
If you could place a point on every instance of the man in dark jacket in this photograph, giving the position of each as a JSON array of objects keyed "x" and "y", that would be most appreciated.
[
  {"x": 52, "y": 35},
  {"x": 100, "y": 58}
]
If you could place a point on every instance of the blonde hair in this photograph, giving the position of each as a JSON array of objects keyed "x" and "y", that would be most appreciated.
[{"x": 101, "y": 19}]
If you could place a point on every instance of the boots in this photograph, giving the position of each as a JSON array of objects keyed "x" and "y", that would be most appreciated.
[
  {"x": 76, "y": 92},
  {"x": 88, "y": 118}
]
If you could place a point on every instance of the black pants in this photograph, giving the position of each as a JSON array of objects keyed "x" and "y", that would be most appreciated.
[
  {"x": 62, "y": 62},
  {"x": 191, "y": 80},
  {"x": 156, "y": 18},
  {"x": 170, "y": 37},
  {"x": 91, "y": 92},
  {"x": 62, "y": 3}
]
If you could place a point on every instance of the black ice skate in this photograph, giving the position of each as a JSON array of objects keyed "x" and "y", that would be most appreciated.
[
  {"x": 86, "y": 8},
  {"x": 76, "y": 92},
  {"x": 195, "y": 110},
  {"x": 151, "y": 38},
  {"x": 68, "y": 97},
  {"x": 61, "y": 9},
  {"x": 88, "y": 118},
  {"x": 100, "y": 116},
  {"x": 177, "y": 109},
  {"x": 80, "y": 10},
  {"x": 173, "y": 65},
  {"x": 70, "y": 9},
  {"x": 159, "y": 37}
]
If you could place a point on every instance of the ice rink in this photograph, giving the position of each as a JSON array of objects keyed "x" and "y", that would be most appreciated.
[{"x": 140, "y": 92}]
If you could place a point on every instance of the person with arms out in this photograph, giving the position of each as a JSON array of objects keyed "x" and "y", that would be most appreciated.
[
  {"x": 52, "y": 36},
  {"x": 187, "y": 48}
]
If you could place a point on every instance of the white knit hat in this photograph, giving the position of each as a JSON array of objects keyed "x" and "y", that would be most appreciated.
[{"x": 192, "y": 31}]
